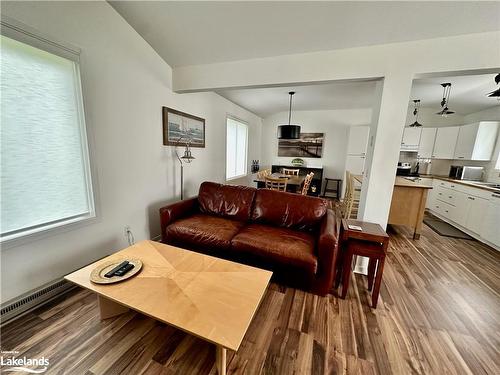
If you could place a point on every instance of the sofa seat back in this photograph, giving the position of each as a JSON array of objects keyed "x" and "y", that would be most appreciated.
[
  {"x": 288, "y": 210},
  {"x": 232, "y": 202}
]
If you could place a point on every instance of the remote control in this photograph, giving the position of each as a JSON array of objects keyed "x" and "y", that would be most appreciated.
[
  {"x": 124, "y": 270},
  {"x": 112, "y": 272}
]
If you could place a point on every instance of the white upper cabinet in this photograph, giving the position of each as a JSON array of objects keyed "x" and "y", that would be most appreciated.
[
  {"x": 446, "y": 140},
  {"x": 411, "y": 138},
  {"x": 427, "y": 143},
  {"x": 358, "y": 140},
  {"x": 476, "y": 141}
]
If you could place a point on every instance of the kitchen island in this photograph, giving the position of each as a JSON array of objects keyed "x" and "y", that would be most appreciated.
[{"x": 408, "y": 204}]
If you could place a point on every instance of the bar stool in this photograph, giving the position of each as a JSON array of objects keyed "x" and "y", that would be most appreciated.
[
  {"x": 372, "y": 242},
  {"x": 336, "y": 184}
]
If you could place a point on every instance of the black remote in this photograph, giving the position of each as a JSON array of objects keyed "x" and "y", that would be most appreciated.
[
  {"x": 124, "y": 270},
  {"x": 112, "y": 272}
]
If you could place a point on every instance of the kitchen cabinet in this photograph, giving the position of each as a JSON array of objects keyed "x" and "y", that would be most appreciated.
[
  {"x": 446, "y": 140},
  {"x": 411, "y": 139},
  {"x": 476, "y": 141},
  {"x": 490, "y": 231},
  {"x": 358, "y": 140},
  {"x": 476, "y": 208},
  {"x": 471, "y": 209},
  {"x": 426, "y": 145}
]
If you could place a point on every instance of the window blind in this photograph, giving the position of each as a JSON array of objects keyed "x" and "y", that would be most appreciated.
[
  {"x": 45, "y": 173},
  {"x": 236, "y": 148}
]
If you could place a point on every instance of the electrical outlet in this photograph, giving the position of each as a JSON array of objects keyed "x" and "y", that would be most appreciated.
[
  {"x": 127, "y": 230},
  {"x": 129, "y": 236}
]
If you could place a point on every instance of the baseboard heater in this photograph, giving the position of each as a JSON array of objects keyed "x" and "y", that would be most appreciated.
[{"x": 27, "y": 302}]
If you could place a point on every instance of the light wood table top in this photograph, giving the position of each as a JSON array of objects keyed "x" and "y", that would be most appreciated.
[
  {"x": 413, "y": 183},
  {"x": 208, "y": 297},
  {"x": 291, "y": 180}
]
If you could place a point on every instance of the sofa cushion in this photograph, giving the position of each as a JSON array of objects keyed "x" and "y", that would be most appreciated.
[
  {"x": 278, "y": 245},
  {"x": 230, "y": 201},
  {"x": 288, "y": 210},
  {"x": 203, "y": 230}
]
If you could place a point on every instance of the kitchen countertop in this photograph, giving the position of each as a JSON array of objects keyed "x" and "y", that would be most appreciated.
[
  {"x": 405, "y": 182},
  {"x": 462, "y": 182}
]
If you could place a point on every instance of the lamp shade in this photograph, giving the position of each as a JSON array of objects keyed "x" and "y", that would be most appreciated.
[
  {"x": 187, "y": 157},
  {"x": 289, "y": 132}
]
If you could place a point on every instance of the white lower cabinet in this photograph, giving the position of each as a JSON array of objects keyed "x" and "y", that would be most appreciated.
[
  {"x": 490, "y": 231},
  {"x": 475, "y": 220},
  {"x": 475, "y": 210}
]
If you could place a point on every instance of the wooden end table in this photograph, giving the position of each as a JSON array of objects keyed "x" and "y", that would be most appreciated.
[{"x": 371, "y": 242}]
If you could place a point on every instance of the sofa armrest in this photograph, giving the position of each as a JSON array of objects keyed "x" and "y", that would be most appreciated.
[
  {"x": 327, "y": 251},
  {"x": 175, "y": 211}
]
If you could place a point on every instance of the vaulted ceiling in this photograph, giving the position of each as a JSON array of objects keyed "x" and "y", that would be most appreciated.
[{"x": 192, "y": 33}]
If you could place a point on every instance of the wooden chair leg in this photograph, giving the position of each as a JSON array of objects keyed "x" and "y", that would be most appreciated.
[
  {"x": 346, "y": 274},
  {"x": 378, "y": 280},
  {"x": 372, "y": 264}
]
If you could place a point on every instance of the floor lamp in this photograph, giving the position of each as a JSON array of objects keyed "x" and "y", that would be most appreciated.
[{"x": 186, "y": 158}]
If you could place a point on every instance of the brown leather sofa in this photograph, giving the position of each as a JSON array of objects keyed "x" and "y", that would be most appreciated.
[{"x": 295, "y": 236}]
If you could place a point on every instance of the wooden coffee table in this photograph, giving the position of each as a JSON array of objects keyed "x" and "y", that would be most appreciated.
[{"x": 211, "y": 298}]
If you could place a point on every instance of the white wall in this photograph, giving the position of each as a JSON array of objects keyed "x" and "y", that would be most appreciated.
[
  {"x": 334, "y": 123},
  {"x": 398, "y": 64},
  {"x": 125, "y": 84}
]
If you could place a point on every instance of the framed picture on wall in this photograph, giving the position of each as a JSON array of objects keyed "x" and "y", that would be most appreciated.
[
  {"x": 309, "y": 145},
  {"x": 177, "y": 125}
]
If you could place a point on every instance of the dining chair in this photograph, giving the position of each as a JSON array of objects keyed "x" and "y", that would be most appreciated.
[
  {"x": 307, "y": 183},
  {"x": 263, "y": 173},
  {"x": 346, "y": 204},
  {"x": 276, "y": 183},
  {"x": 290, "y": 172}
]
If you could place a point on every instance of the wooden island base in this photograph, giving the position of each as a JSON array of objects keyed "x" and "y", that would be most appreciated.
[{"x": 408, "y": 204}]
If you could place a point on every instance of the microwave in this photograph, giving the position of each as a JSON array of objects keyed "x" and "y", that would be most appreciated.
[{"x": 462, "y": 172}]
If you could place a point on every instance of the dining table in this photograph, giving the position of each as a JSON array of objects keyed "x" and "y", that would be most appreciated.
[{"x": 293, "y": 183}]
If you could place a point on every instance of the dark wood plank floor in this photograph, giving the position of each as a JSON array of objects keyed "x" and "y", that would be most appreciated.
[{"x": 438, "y": 314}]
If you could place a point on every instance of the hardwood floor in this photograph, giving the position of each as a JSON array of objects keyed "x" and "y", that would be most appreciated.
[{"x": 438, "y": 313}]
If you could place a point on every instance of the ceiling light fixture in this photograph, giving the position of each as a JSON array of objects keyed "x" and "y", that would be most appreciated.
[
  {"x": 496, "y": 93},
  {"x": 415, "y": 113},
  {"x": 289, "y": 131},
  {"x": 445, "y": 111}
]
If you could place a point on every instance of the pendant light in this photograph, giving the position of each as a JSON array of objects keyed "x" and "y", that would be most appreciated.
[
  {"x": 289, "y": 131},
  {"x": 415, "y": 113},
  {"x": 445, "y": 111},
  {"x": 496, "y": 93}
]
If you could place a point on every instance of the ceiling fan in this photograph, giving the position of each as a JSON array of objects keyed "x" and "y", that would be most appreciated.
[
  {"x": 445, "y": 111},
  {"x": 496, "y": 93}
]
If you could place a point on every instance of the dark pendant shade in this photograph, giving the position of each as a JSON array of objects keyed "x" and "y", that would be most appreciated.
[
  {"x": 288, "y": 132},
  {"x": 494, "y": 94}
]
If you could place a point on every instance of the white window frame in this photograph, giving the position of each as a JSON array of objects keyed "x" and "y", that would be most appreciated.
[
  {"x": 497, "y": 165},
  {"x": 234, "y": 118},
  {"x": 25, "y": 34}
]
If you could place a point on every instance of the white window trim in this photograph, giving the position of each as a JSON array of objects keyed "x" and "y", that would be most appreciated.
[
  {"x": 25, "y": 34},
  {"x": 228, "y": 116}
]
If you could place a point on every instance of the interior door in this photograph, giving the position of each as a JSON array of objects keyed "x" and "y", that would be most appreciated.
[
  {"x": 355, "y": 164},
  {"x": 358, "y": 140}
]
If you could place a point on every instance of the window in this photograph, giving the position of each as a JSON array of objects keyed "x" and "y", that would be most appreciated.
[
  {"x": 497, "y": 166},
  {"x": 236, "y": 148},
  {"x": 45, "y": 173}
]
